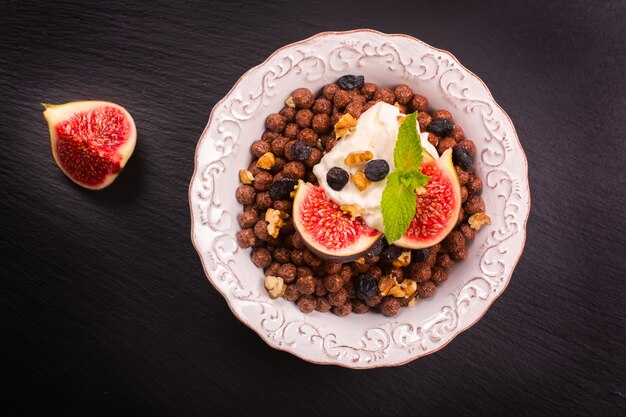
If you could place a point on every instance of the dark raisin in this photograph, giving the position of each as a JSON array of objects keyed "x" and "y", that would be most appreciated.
[
  {"x": 337, "y": 178},
  {"x": 301, "y": 150},
  {"x": 376, "y": 169},
  {"x": 462, "y": 158},
  {"x": 440, "y": 127},
  {"x": 282, "y": 189},
  {"x": 375, "y": 249},
  {"x": 365, "y": 287},
  {"x": 390, "y": 254},
  {"x": 348, "y": 82},
  {"x": 420, "y": 255}
]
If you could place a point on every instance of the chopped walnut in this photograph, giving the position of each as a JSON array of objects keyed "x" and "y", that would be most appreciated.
[
  {"x": 345, "y": 125},
  {"x": 290, "y": 103},
  {"x": 275, "y": 220},
  {"x": 358, "y": 158},
  {"x": 385, "y": 284},
  {"x": 476, "y": 221},
  {"x": 266, "y": 161},
  {"x": 353, "y": 210},
  {"x": 403, "y": 260},
  {"x": 246, "y": 176},
  {"x": 389, "y": 286},
  {"x": 360, "y": 261},
  {"x": 420, "y": 190},
  {"x": 401, "y": 118},
  {"x": 275, "y": 286},
  {"x": 360, "y": 180}
]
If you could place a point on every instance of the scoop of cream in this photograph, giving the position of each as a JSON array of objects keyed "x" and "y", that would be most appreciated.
[{"x": 376, "y": 131}]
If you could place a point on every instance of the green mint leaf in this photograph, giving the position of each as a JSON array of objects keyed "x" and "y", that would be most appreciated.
[
  {"x": 398, "y": 207},
  {"x": 414, "y": 178},
  {"x": 408, "y": 151}
]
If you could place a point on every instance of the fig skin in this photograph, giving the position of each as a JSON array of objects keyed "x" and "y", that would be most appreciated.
[
  {"x": 357, "y": 250},
  {"x": 56, "y": 114}
]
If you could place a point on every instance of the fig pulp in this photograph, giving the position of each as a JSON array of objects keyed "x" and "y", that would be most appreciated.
[
  {"x": 326, "y": 230},
  {"x": 91, "y": 140},
  {"x": 438, "y": 205}
]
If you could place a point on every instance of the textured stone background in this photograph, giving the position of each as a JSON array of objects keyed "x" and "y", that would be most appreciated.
[{"x": 105, "y": 309}]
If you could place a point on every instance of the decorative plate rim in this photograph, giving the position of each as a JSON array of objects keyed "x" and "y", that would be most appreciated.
[{"x": 459, "y": 329}]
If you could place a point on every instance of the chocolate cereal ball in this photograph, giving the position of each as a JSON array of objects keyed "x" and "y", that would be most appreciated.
[
  {"x": 445, "y": 144},
  {"x": 303, "y": 97},
  {"x": 272, "y": 269},
  {"x": 297, "y": 257},
  {"x": 403, "y": 93},
  {"x": 341, "y": 99},
  {"x": 304, "y": 118},
  {"x": 291, "y": 293},
  {"x": 425, "y": 289},
  {"x": 310, "y": 259},
  {"x": 418, "y": 103},
  {"x": 423, "y": 119},
  {"x": 262, "y": 181},
  {"x": 457, "y": 133},
  {"x": 246, "y": 238},
  {"x": 322, "y": 106},
  {"x": 475, "y": 184},
  {"x": 278, "y": 146},
  {"x": 248, "y": 218},
  {"x": 291, "y": 131},
  {"x": 308, "y": 135},
  {"x": 384, "y": 94},
  {"x": 259, "y": 147},
  {"x": 355, "y": 109},
  {"x": 263, "y": 200},
  {"x": 468, "y": 232},
  {"x": 474, "y": 204},
  {"x": 305, "y": 284},
  {"x": 343, "y": 310},
  {"x": 338, "y": 298},
  {"x": 330, "y": 90},
  {"x": 321, "y": 123},
  {"x": 307, "y": 303},
  {"x": 323, "y": 305},
  {"x": 245, "y": 194},
  {"x": 275, "y": 122},
  {"x": 294, "y": 169},
  {"x": 269, "y": 136},
  {"x": 289, "y": 113},
  {"x": 389, "y": 306},
  {"x": 260, "y": 230},
  {"x": 464, "y": 194},
  {"x": 359, "y": 306},
  {"x": 444, "y": 260},
  {"x": 368, "y": 90},
  {"x": 420, "y": 272},
  {"x": 333, "y": 282},
  {"x": 442, "y": 114},
  {"x": 281, "y": 255},
  {"x": 374, "y": 300},
  {"x": 287, "y": 272},
  {"x": 283, "y": 205},
  {"x": 468, "y": 145},
  {"x": 440, "y": 275},
  {"x": 261, "y": 257},
  {"x": 463, "y": 176}
]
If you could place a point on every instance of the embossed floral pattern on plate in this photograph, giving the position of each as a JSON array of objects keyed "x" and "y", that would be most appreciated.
[{"x": 368, "y": 340}]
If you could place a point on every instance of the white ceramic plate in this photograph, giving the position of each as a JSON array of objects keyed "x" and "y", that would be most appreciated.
[{"x": 366, "y": 340}]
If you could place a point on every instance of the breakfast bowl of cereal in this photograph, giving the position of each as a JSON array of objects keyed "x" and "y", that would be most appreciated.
[{"x": 359, "y": 199}]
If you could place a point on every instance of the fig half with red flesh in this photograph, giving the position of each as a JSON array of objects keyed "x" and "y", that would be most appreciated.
[
  {"x": 91, "y": 140},
  {"x": 438, "y": 204},
  {"x": 326, "y": 230}
]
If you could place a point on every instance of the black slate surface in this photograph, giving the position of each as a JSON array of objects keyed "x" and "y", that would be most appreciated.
[{"x": 104, "y": 307}]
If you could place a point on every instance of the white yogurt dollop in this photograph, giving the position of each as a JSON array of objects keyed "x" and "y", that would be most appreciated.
[{"x": 376, "y": 131}]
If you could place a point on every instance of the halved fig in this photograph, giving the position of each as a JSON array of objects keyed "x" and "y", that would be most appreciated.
[
  {"x": 91, "y": 140},
  {"x": 437, "y": 206},
  {"x": 326, "y": 230}
]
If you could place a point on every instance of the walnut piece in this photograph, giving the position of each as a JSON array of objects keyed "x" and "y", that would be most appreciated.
[
  {"x": 266, "y": 161},
  {"x": 476, "y": 221},
  {"x": 290, "y": 103},
  {"x": 345, "y": 125},
  {"x": 275, "y": 220},
  {"x": 275, "y": 286},
  {"x": 246, "y": 176},
  {"x": 354, "y": 210},
  {"x": 403, "y": 260},
  {"x": 389, "y": 286},
  {"x": 360, "y": 180},
  {"x": 358, "y": 158}
]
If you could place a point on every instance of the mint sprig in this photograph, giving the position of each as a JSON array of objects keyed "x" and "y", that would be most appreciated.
[{"x": 399, "y": 200}]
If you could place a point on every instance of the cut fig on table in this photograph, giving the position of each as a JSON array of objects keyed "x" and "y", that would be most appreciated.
[
  {"x": 91, "y": 140},
  {"x": 327, "y": 230}
]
